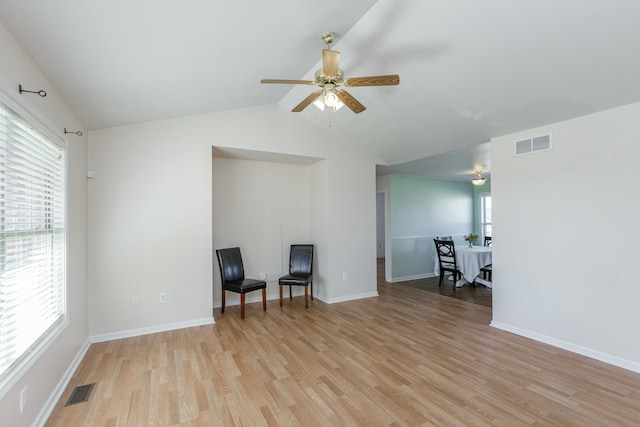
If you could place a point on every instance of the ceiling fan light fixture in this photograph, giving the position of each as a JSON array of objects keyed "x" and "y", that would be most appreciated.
[
  {"x": 319, "y": 103},
  {"x": 331, "y": 98},
  {"x": 478, "y": 180}
]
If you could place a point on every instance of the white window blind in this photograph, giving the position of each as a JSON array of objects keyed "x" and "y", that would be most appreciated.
[{"x": 32, "y": 239}]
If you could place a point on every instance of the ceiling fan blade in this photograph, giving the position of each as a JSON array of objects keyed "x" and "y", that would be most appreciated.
[
  {"x": 389, "y": 80},
  {"x": 290, "y": 82},
  {"x": 305, "y": 102},
  {"x": 350, "y": 102},
  {"x": 330, "y": 62}
]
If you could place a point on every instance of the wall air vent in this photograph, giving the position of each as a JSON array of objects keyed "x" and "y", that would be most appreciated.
[{"x": 532, "y": 145}]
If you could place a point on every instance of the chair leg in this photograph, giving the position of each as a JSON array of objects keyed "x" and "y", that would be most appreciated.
[
  {"x": 441, "y": 277},
  {"x": 280, "y": 286},
  {"x": 306, "y": 298},
  {"x": 242, "y": 306},
  {"x": 223, "y": 295},
  {"x": 264, "y": 299},
  {"x": 290, "y": 294},
  {"x": 311, "y": 290}
]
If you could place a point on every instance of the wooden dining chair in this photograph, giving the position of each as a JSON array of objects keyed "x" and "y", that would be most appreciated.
[
  {"x": 487, "y": 240},
  {"x": 446, "y": 251},
  {"x": 232, "y": 275}
]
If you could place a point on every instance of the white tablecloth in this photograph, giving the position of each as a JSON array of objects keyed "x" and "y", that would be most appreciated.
[{"x": 470, "y": 261}]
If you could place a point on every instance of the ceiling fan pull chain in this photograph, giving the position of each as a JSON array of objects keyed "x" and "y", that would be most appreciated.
[{"x": 331, "y": 111}]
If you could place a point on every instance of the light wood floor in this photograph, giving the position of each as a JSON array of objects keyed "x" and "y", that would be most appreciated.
[
  {"x": 407, "y": 357},
  {"x": 478, "y": 295}
]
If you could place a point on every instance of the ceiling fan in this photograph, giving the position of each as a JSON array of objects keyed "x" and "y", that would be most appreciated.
[{"x": 329, "y": 78}]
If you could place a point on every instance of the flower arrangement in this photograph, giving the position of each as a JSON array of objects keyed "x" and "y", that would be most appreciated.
[{"x": 471, "y": 238}]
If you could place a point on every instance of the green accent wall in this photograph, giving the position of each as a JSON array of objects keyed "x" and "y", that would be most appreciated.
[{"x": 420, "y": 210}]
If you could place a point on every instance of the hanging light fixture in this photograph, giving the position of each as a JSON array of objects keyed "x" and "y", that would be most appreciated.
[
  {"x": 478, "y": 180},
  {"x": 329, "y": 98}
]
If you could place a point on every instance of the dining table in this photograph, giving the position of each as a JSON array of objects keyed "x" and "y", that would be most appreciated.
[{"x": 470, "y": 261}]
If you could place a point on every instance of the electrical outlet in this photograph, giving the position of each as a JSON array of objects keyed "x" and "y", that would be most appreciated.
[
  {"x": 263, "y": 276},
  {"x": 135, "y": 301},
  {"x": 345, "y": 276},
  {"x": 163, "y": 297},
  {"x": 23, "y": 399}
]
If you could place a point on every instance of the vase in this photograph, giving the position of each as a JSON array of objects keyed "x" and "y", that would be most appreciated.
[{"x": 470, "y": 244}]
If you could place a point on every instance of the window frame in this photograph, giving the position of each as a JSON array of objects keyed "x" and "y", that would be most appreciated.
[
  {"x": 10, "y": 96},
  {"x": 483, "y": 220}
]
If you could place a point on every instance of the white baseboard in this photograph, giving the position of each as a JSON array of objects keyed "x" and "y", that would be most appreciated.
[
  {"x": 584, "y": 351},
  {"x": 347, "y": 298},
  {"x": 416, "y": 277},
  {"x": 151, "y": 330},
  {"x": 51, "y": 403}
]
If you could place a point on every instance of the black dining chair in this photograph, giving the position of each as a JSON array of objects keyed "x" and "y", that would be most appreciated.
[
  {"x": 445, "y": 238},
  {"x": 487, "y": 270},
  {"x": 232, "y": 275},
  {"x": 446, "y": 251},
  {"x": 300, "y": 271}
]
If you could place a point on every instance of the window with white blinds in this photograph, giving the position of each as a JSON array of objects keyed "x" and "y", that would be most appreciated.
[{"x": 32, "y": 241}]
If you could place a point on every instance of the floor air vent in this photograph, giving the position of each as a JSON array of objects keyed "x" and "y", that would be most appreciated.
[
  {"x": 80, "y": 394},
  {"x": 532, "y": 145}
]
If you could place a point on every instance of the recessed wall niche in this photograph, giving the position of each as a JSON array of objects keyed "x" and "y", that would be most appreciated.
[{"x": 261, "y": 203}]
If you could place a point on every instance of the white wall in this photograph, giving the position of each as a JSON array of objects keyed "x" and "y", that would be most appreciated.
[
  {"x": 45, "y": 379},
  {"x": 153, "y": 216},
  {"x": 149, "y": 213},
  {"x": 319, "y": 223},
  {"x": 553, "y": 279},
  {"x": 351, "y": 226}
]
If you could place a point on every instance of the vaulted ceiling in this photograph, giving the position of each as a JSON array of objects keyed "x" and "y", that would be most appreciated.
[{"x": 469, "y": 70}]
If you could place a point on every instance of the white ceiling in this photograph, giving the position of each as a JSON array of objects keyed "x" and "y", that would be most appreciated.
[{"x": 469, "y": 70}]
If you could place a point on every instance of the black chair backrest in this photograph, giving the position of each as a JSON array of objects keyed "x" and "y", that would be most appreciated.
[
  {"x": 301, "y": 259},
  {"x": 446, "y": 251},
  {"x": 445, "y": 238},
  {"x": 230, "y": 261},
  {"x": 487, "y": 240}
]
